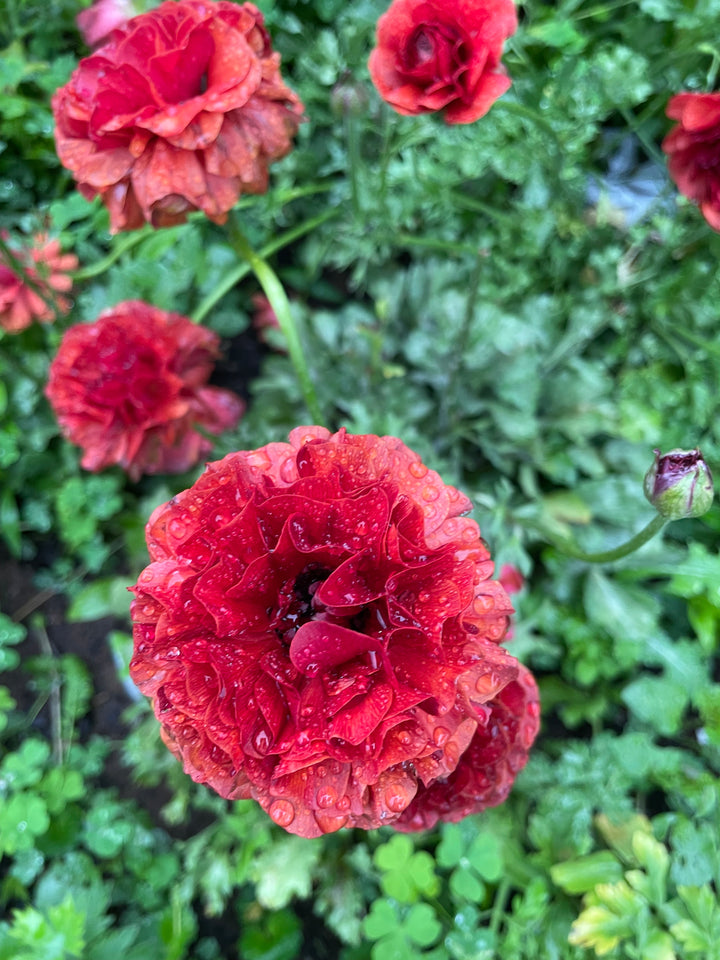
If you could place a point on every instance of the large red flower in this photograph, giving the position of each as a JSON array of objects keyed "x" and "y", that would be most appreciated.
[
  {"x": 317, "y": 629},
  {"x": 693, "y": 149},
  {"x": 130, "y": 389},
  {"x": 184, "y": 108},
  {"x": 46, "y": 268},
  {"x": 442, "y": 55}
]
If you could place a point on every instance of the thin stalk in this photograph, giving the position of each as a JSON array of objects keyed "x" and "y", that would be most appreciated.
[
  {"x": 353, "y": 150},
  {"x": 121, "y": 246},
  {"x": 55, "y": 706},
  {"x": 498, "y": 908},
  {"x": 617, "y": 553},
  {"x": 275, "y": 293},
  {"x": 243, "y": 269}
]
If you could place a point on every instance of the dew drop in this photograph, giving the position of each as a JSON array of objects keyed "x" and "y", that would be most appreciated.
[
  {"x": 404, "y": 737},
  {"x": 361, "y": 529},
  {"x": 261, "y": 742},
  {"x": 395, "y": 800},
  {"x": 343, "y": 804},
  {"x": 282, "y": 812},
  {"x": 172, "y": 653},
  {"x": 486, "y": 684},
  {"x": 146, "y": 576},
  {"x": 321, "y": 772},
  {"x": 418, "y": 470},
  {"x": 177, "y": 528},
  {"x": 326, "y": 797},
  {"x": 430, "y": 493},
  {"x": 440, "y": 735}
]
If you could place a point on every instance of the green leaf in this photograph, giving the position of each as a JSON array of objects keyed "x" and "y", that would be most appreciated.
[
  {"x": 584, "y": 873},
  {"x": 284, "y": 871},
  {"x": 381, "y": 921},
  {"x": 422, "y": 925},
  {"x": 107, "y": 597}
]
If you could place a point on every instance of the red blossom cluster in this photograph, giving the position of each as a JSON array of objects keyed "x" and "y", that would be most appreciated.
[
  {"x": 131, "y": 389},
  {"x": 443, "y": 55},
  {"x": 317, "y": 629},
  {"x": 182, "y": 109},
  {"x": 44, "y": 270}
]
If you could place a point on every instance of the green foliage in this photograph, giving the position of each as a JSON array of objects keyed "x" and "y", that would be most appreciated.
[{"x": 532, "y": 322}]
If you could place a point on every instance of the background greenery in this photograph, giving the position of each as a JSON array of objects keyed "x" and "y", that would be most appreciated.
[{"x": 528, "y": 304}]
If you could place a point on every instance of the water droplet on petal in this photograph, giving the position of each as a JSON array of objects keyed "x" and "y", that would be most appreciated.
[
  {"x": 343, "y": 804},
  {"x": 326, "y": 797},
  {"x": 282, "y": 812},
  {"x": 396, "y": 800},
  {"x": 430, "y": 493},
  {"x": 177, "y": 528},
  {"x": 440, "y": 735},
  {"x": 418, "y": 470}
]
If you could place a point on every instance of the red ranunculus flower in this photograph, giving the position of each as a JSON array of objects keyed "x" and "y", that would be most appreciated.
[
  {"x": 130, "y": 389},
  {"x": 47, "y": 268},
  {"x": 183, "y": 109},
  {"x": 442, "y": 55},
  {"x": 693, "y": 149},
  {"x": 487, "y": 769},
  {"x": 317, "y": 629}
]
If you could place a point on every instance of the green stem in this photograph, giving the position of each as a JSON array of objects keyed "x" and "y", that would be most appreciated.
[
  {"x": 617, "y": 553},
  {"x": 353, "y": 150},
  {"x": 243, "y": 269},
  {"x": 120, "y": 247},
  {"x": 275, "y": 293},
  {"x": 498, "y": 909}
]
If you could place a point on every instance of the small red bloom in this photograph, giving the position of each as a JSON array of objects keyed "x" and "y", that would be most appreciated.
[
  {"x": 442, "y": 55},
  {"x": 183, "y": 109},
  {"x": 130, "y": 389},
  {"x": 693, "y": 149},
  {"x": 487, "y": 769},
  {"x": 46, "y": 267},
  {"x": 98, "y": 21},
  {"x": 317, "y": 629}
]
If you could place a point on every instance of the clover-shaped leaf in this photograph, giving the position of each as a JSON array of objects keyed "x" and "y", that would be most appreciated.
[
  {"x": 406, "y": 874},
  {"x": 399, "y": 932}
]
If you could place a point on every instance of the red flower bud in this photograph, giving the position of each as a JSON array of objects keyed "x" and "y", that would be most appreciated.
[{"x": 679, "y": 484}]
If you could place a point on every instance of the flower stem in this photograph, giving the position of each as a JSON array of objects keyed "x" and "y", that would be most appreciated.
[
  {"x": 275, "y": 293},
  {"x": 243, "y": 269},
  {"x": 617, "y": 553},
  {"x": 121, "y": 246}
]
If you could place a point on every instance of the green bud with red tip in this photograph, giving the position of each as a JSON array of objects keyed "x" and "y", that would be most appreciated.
[{"x": 679, "y": 484}]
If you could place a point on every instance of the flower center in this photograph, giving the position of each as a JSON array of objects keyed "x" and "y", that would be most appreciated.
[{"x": 297, "y": 601}]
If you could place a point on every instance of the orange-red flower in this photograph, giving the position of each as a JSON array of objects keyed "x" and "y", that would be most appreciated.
[
  {"x": 442, "y": 55},
  {"x": 693, "y": 148},
  {"x": 130, "y": 389},
  {"x": 44, "y": 269},
  {"x": 183, "y": 109},
  {"x": 317, "y": 630}
]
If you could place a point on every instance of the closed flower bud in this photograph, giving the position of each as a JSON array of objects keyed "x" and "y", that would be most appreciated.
[
  {"x": 679, "y": 484},
  {"x": 349, "y": 99}
]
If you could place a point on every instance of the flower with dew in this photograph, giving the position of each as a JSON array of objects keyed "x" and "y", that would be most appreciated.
[
  {"x": 44, "y": 270},
  {"x": 693, "y": 149},
  {"x": 131, "y": 389},
  {"x": 318, "y": 630},
  {"x": 442, "y": 55},
  {"x": 182, "y": 109}
]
